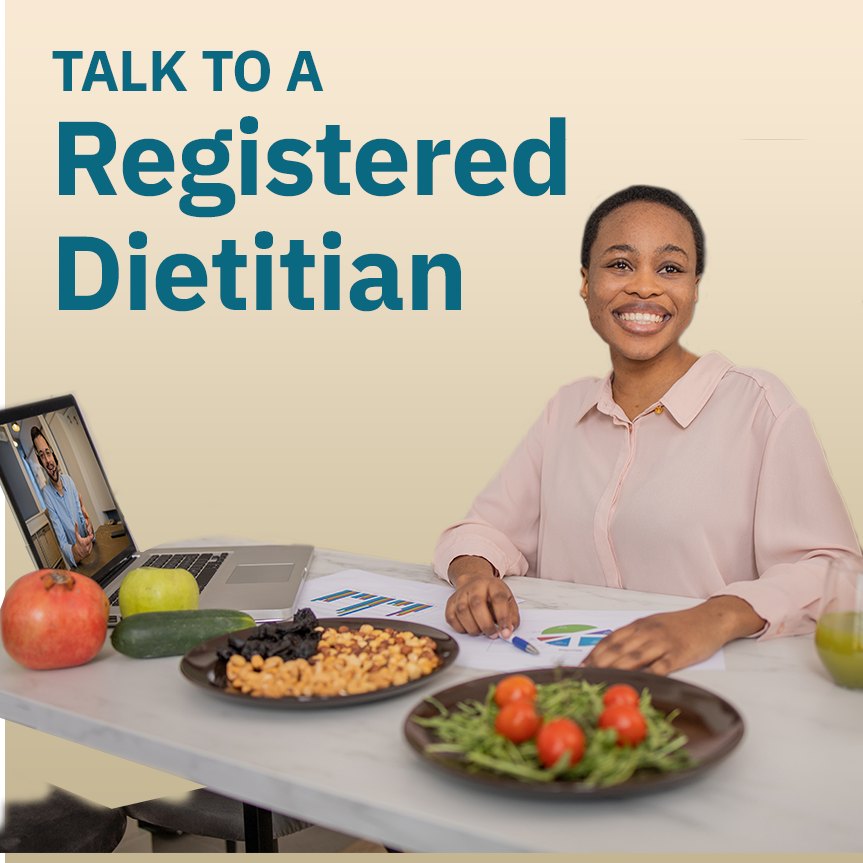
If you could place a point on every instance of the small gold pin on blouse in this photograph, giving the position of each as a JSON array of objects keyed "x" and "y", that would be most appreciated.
[{"x": 658, "y": 409}]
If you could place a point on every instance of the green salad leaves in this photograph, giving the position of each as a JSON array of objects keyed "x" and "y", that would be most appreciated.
[{"x": 468, "y": 733}]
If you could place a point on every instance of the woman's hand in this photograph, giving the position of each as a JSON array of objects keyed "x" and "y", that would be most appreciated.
[
  {"x": 663, "y": 643},
  {"x": 481, "y": 599}
]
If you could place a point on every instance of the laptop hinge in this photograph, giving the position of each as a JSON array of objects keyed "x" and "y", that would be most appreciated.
[{"x": 117, "y": 568}]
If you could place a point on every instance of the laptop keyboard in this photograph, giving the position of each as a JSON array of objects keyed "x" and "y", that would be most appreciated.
[{"x": 202, "y": 566}]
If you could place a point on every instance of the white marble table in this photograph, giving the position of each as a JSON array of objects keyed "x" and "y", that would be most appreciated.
[{"x": 793, "y": 784}]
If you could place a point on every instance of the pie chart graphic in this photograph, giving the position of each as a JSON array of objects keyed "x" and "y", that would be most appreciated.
[{"x": 565, "y": 635}]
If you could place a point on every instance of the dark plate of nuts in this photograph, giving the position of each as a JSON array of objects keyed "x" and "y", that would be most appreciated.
[{"x": 358, "y": 659}]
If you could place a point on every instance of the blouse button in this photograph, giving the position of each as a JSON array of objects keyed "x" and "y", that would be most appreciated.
[{"x": 658, "y": 409}]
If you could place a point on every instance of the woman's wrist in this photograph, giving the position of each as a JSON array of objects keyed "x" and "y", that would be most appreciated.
[
  {"x": 469, "y": 567},
  {"x": 735, "y": 617}
]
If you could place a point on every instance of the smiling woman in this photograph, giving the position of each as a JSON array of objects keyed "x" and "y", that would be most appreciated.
[{"x": 672, "y": 474}]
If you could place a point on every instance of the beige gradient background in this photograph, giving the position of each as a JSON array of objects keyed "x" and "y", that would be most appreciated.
[{"x": 369, "y": 432}]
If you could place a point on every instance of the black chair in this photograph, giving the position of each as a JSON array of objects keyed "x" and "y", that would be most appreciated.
[
  {"x": 61, "y": 823},
  {"x": 205, "y": 813}
]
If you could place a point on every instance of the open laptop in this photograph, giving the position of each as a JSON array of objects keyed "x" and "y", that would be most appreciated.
[{"x": 45, "y": 445}]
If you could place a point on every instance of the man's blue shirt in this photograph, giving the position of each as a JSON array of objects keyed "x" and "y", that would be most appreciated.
[{"x": 65, "y": 510}]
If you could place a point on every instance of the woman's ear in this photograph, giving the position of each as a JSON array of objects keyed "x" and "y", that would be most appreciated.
[
  {"x": 697, "y": 283},
  {"x": 583, "y": 290}
]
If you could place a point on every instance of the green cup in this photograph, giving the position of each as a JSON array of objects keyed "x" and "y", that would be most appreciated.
[{"x": 839, "y": 634}]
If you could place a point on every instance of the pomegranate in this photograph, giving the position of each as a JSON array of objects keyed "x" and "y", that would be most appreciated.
[{"x": 54, "y": 619}]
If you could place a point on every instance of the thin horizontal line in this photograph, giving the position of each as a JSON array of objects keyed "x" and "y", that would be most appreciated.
[{"x": 774, "y": 139}]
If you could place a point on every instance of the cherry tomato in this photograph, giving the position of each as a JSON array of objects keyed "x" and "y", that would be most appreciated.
[
  {"x": 517, "y": 721},
  {"x": 517, "y": 687},
  {"x": 621, "y": 693},
  {"x": 627, "y": 721},
  {"x": 556, "y": 737}
]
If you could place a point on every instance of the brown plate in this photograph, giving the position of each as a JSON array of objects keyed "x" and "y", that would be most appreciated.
[
  {"x": 204, "y": 668},
  {"x": 713, "y": 728}
]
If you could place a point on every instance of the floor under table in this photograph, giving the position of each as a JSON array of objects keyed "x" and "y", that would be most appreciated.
[{"x": 310, "y": 840}]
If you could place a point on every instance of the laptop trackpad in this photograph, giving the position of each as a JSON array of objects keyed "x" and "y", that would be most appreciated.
[{"x": 260, "y": 573}]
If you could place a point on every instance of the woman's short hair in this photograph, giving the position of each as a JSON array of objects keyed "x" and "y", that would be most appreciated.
[{"x": 653, "y": 195}]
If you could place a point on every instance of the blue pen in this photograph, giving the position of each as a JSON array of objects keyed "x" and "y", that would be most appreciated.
[{"x": 521, "y": 644}]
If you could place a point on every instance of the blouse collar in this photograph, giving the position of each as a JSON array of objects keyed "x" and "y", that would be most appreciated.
[{"x": 684, "y": 400}]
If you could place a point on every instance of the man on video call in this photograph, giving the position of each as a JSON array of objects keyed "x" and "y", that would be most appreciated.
[{"x": 64, "y": 505}]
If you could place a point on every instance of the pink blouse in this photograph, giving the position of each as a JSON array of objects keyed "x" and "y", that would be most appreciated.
[{"x": 719, "y": 488}]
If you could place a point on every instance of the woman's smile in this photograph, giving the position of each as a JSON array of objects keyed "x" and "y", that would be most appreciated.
[{"x": 646, "y": 318}]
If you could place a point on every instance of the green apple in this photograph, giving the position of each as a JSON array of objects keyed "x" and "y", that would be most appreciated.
[{"x": 151, "y": 589}]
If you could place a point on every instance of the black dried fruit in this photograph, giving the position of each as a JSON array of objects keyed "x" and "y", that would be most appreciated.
[{"x": 293, "y": 639}]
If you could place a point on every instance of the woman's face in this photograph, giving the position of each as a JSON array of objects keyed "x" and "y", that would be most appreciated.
[{"x": 641, "y": 286}]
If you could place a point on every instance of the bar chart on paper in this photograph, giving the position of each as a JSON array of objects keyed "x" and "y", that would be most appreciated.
[
  {"x": 347, "y": 602},
  {"x": 354, "y": 593}
]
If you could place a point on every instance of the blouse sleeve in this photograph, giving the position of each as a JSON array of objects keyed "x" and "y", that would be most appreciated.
[
  {"x": 503, "y": 523},
  {"x": 800, "y": 524}
]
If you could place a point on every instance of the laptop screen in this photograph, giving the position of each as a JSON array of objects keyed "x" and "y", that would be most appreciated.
[{"x": 58, "y": 491}]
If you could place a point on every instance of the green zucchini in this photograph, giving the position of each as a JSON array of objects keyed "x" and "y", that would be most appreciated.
[{"x": 173, "y": 633}]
